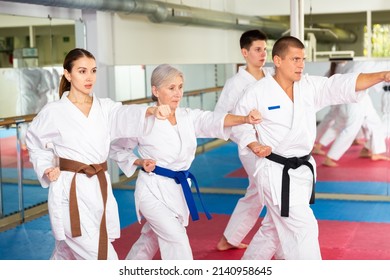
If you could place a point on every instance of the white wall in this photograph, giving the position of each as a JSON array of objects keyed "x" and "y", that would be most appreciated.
[
  {"x": 138, "y": 41},
  {"x": 282, "y": 7}
]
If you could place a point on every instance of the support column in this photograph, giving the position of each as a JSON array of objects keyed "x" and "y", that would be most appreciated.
[
  {"x": 297, "y": 20},
  {"x": 98, "y": 40},
  {"x": 369, "y": 34}
]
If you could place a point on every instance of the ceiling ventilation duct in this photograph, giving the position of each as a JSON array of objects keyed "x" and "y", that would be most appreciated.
[{"x": 159, "y": 12}]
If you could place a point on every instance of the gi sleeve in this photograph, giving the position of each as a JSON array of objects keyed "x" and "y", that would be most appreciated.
[
  {"x": 226, "y": 100},
  {"x": 39, "y": 138},
  {"x": 128, "y": 121},
  {"x": 208, "y": 124},
  {"x": 244, "y": 134},
  {"x": 337, "y": 89},
  {"x": 122, "y": 151}
]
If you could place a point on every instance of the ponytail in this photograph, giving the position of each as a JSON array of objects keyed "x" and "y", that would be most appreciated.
[{"x": 64, "y": 86}]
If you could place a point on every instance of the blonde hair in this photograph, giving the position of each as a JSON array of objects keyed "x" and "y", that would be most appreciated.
[{"x": 162, "y": 74}]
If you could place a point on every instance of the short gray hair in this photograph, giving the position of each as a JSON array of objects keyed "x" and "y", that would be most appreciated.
[{"x": 163, "y": 73}]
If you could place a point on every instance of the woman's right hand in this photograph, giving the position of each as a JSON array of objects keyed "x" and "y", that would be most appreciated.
[
  {"x": 162, "y": 112},
  {"x": 148, "y": 165},
  {"x": 52, "y": 173}
]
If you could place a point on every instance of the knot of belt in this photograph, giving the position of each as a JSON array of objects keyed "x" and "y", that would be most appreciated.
[
  {"x": 180, "y": 177},
  {"x": 89, "y": 170},
  {"x": 294, "y": 163}
]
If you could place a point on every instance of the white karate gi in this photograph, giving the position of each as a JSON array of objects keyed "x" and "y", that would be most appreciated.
[
  {"x": 290, "y": 129},
  {"x": 61, "y": 130},
  {"x": 159, "y": 199},
  {"x": 249, "y": 207},
  {"x": 33, "y": 84},
  {"x": 361, "y": 115},
  {"x": 331, "y": 125},
  {"x": 386, "y": 109}
]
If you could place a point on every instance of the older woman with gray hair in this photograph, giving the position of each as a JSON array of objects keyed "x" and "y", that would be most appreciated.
[{"x": 162, "y": 195}]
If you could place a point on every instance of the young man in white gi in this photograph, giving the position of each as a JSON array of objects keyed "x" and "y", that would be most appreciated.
[
  {"x": 288, "y": 102},
  {"x": 253, "y": 45}
]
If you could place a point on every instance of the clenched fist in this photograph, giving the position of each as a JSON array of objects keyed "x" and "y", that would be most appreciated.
[
  {"x": 162, "y": 112},
  {"x": 254, "y": 117},
  {"x": 52, "y": 173}
]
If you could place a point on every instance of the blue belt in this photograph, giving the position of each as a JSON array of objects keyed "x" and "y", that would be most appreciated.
[{"x": 180, "y": 177}]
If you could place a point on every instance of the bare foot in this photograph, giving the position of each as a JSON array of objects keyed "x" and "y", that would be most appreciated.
[
  {"x": 379, "y": 157},
  {"x": 365, "y": 153},
  {"x": 358, "y": 142},
  {"x": 329, "y": 162},
  {"x": 317, "y": 150},
  {"x": 224, "y": 245}
]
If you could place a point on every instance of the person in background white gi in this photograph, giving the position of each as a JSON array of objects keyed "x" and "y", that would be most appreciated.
[
  {"x": 327, "y": 129},
  {"x": 386, "y": 108},
  {"x": 33, "y": 84},
  {"x": 253, "y": 45},
  {"x": 334, "y": 121},
  {"x": 288, "y": 102},
  {"x": 168, "y": 147},
  {"x": 357, "y": 116},
  {"x": 68, "y": 143}
]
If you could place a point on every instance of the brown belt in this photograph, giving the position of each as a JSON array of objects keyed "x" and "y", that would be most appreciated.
[{"x": 89, "y": 170}]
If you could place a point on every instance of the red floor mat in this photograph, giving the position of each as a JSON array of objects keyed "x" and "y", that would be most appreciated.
[
  {"x": 338, "y": 240},
  {"x": 8, "y": 153}
]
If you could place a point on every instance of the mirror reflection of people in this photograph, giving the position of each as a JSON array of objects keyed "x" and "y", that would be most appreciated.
[
  {"x": 69, "y": 142},
  {"x": 355, "y": 117},
  {"x": 33, "y": 83}
]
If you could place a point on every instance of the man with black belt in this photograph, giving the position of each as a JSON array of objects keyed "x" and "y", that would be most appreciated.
[{"x": 288, "y": 102}]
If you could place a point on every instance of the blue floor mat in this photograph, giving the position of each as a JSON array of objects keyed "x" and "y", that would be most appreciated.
[{"x": 32, "y": 195}]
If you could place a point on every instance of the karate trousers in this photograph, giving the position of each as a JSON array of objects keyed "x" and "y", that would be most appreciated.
[
  {"x": 296, "y": 236},
  {"x": 163, "y": 230},
  {"x": 360, "y": 115},
  {"x": 84, "y": 247},
  {"x": 248, "y": 208}
]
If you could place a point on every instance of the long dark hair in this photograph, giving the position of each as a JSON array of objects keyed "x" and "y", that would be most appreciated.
[{"x": 69, "y": 60}]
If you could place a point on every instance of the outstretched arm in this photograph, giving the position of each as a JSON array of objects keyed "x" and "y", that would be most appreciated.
[
  {"x": 366, "y": 80},
  {"x": 254, "y": 117}
]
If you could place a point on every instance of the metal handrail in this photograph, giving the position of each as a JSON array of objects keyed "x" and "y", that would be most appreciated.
[
  {"x": 16, "y": 120},
  {"x": 28, "y": 118}
]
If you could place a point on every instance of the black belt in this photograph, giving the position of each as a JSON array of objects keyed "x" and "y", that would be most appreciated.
[{"x": 294, "y": 163}]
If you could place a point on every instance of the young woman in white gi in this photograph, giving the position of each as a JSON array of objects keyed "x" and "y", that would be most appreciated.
[
  {"x": 253, "y": 45},
  {"x": 288, "y": 102},
  {"x": 168, "y": 145},
  {"x": 68, "y": 143}
]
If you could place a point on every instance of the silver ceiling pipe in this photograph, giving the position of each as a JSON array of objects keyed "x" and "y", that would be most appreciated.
[{"x": 159, "y": 12}]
